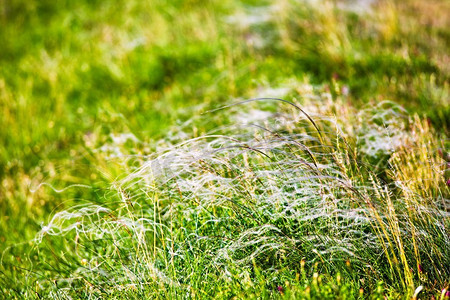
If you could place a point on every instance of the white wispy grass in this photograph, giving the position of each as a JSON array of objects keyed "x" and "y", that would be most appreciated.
[{"x": 273, "y": 190}]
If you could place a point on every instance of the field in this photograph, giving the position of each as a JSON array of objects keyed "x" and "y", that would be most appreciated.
[{"x": 290, "y": 149}]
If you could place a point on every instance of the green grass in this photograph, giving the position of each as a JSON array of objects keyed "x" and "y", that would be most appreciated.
[{"x": 115, "y": 183}]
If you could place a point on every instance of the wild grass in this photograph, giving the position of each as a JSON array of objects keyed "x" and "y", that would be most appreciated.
[
  {"x": 285, "y": 201},
  {"x": 113, "y": 185}
]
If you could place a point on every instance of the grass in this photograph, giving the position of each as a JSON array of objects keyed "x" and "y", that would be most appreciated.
[{"x": 116, "y": 181}]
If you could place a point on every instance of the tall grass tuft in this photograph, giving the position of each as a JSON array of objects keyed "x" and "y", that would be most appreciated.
[{"x": 273, "y": 204}]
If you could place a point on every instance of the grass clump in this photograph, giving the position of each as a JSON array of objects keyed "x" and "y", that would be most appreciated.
[{"x": 281, "y": 206}]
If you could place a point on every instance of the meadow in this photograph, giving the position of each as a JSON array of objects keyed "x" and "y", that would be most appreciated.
[{"x": 290, "y": 149}]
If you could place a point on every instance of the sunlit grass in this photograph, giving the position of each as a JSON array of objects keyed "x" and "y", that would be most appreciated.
[{"x": 113, "y": 185}]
